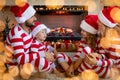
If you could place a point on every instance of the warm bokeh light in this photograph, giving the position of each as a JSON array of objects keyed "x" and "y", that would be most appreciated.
[
  {"x": 113, "y": 36},
  {"x": 52, "y": 4},
  {"x": 7, "y": 76},
  {"x": 115, "y": 14},
  {"x": 2, "y": 25},
  {"x": 2, "y": 4},
  {"x": 118, "y": 52},
  {"x": 28, "y": 68},
  {"x": 8, "y": 51},
  {"x": 80, "y": 2},
  {"x": 26, "y": 71},
  {"x": 89, "y": 75},
  {"x": 20, "y": 2},
  {"x": 118, "y": 78},
  {"x": 1, "y": 76},
  {"x": 2, "y": 58},
  {"x": 2, "y": 67},
  {"x": 24, "y": 75},
  {"x": 109, "y": 2},
  {"x": 117, "y": 2},
  {"x": 92, "y": 6},
  {"x": 105, "y": 42},
  {"x": 13, "y": 70}
]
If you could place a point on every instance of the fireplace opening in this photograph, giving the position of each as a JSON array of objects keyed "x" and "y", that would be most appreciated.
[{"x": 64, "y": 24}]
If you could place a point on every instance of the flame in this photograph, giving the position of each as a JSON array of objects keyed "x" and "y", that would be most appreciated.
[
  {"x": 69, "y": 30},
  {"x": 20, "y": 2},
  {"x": 115, "y": 14}
]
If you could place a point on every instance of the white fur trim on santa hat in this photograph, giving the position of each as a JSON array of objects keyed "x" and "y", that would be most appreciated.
[
  {"x": 105, "y": 21},
  {"x": 85, "y": 26},
  {"x": 27, "y": 14},
  {"x": 88, "y": 49},
  {"x": 39, "y": 28}
]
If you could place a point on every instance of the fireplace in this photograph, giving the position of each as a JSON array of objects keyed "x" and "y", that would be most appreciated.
[{"x": 64, "y": 24}]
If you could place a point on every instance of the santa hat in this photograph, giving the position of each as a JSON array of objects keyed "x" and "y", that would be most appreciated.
[
  {"x": 105, "y": 17},
  {"x": 23, "y": 13},
  {"x": 89, "y": 24},
  {"x": 38, "y": 27}
]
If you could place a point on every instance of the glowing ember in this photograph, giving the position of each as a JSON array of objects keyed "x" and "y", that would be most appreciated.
[{"x": 20, "y": 2}]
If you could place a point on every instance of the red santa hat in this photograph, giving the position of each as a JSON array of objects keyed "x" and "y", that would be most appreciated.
[
  {"x": 89, "y": 24},
  {"x": 23, "y": 13},
  {"x": 38, "y": 27},
  {"x": 105, "y": 17}
]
